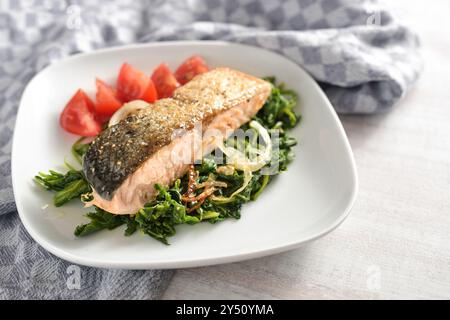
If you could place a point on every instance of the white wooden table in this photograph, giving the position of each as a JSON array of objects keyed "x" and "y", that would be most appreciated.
[{"x": 396, "y": 241}]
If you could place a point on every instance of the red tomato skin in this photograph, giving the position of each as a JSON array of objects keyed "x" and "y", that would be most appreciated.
[
  {"x": 107, "y": 101},
  {"x": 78, "y": 116},
  {"x": 164, "y": 80},
  {"x": 190, "y": 68},
  {"x": 132, "y": 83},
  {"x": 150, "y": 94}
]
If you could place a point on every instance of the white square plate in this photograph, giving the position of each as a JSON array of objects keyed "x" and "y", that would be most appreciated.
[{"x": 312, "y": 198}]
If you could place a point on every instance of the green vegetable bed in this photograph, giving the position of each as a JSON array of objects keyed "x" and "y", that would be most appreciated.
[{"x": 172, "y": 207}]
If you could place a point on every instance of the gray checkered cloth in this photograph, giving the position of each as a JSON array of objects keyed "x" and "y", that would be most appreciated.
[{"x": 364, "y": 60}]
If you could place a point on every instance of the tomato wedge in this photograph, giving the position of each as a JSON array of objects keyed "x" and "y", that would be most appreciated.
[
  {"x": 150, "y": 94},
  {"x": 164, "y": 80},
  {"x": 107, "y": 101},
  {"x": 133, "y": 84},
  {"x": 190, "y": 68},
  {"x": 78, "y": 116}
]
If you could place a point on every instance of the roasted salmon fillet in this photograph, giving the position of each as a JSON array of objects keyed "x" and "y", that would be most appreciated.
[{"x": 157, "y": 144}]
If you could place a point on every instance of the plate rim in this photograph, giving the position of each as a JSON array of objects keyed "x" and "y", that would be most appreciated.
[{"x": 145, "y": 265}]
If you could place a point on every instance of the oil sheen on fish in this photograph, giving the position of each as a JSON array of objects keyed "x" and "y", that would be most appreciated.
[{"x": 126, "y": 160}]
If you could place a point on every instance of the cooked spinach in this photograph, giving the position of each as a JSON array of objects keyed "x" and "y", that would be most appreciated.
[
  {"x": 79, "y": 148},
  {"x": 279, "y": 107},
  {"x": 68, "y": 186},
  {"x": 100, "y": 220}
]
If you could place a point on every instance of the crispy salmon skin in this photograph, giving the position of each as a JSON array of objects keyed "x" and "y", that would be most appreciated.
[{"x": 125, "y": 161}]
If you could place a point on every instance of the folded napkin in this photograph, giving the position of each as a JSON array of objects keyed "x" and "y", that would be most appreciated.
[{"x": 362, "y": 57}]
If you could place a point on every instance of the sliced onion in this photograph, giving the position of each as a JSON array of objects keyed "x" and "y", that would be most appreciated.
[
  {"x": 240, "y": 161},
  {"x": 267, "y": 153},
  {"x": 247, "y": 178},
  {"x": 126, "y": 110},
  {"x": 212, "y": 182},
  {"x": 226, "y": 170}
]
